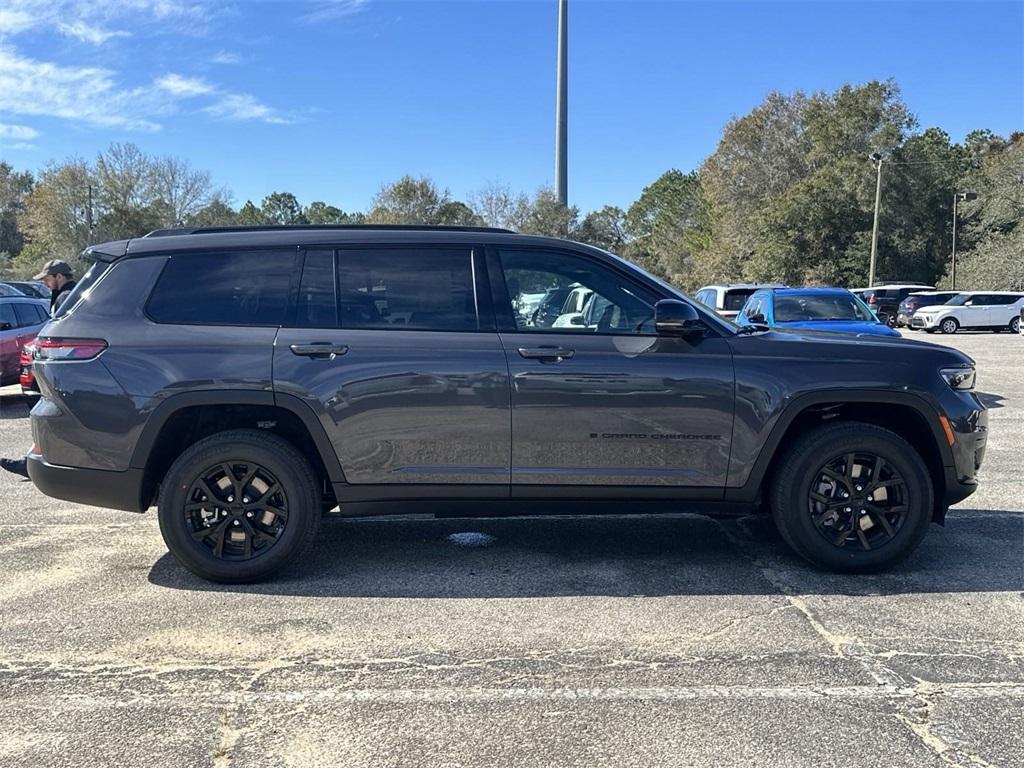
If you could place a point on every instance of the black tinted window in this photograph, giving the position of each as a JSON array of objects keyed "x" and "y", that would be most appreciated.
[
  {"x": 426, "y": 290},
  {"x": 735, "y": 299},
  {"x": 27, "y": 314},
  {"x": 317, "y": 305},
  {"x": 7, "y": 315},
  {"x": 223, "y": 288}
]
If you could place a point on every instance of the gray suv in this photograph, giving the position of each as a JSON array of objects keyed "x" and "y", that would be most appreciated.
[{"x": 247, "y": 381}]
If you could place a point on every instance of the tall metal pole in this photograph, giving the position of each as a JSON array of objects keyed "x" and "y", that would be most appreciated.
[
  {"x": 952, "y": 277},
  {"x": 874, "y": 229},
  {"x": 561, "y": 111}
]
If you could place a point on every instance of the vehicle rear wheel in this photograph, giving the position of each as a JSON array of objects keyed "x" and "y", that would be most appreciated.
[
  {"x": 238, "y": 506},
  {"x": 852, "y": 497},
  {"x": 949, "y": 325}
]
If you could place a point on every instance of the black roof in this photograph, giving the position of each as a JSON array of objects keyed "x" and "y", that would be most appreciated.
[{"x": 206, "y": 238}]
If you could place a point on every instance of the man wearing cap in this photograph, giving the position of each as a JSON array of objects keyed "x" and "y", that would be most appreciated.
[{"x": 59, "y": 278}]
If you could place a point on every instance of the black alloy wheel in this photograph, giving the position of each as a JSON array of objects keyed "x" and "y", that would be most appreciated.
[
  {"x": 236, "y": 508},
  {"x": 858, "y": 501}
]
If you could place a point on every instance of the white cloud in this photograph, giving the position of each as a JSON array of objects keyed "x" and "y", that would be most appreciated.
[
  {"x": 226, "y": 57},
  {"x": 13, "y": 21},
  {"x": 183, "y": 86},
  {"x": 19, "y": 132},
  {"x": 18, "y": 145},
  {"x": 87, "y": 33},
  {"x": 327, "y": 10},
  {"x": 83, "y": 94},
  {"x": 242, "y": 106}
]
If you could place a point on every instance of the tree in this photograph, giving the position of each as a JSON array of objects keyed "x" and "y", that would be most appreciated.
[
  {"x": 319, "y": 212},
  {"x": 251, "y": 216},
  {"x": 498, "y": 206},
  {"x": 14, "y": 189},
  {"x": 545, "y": 215},
  {"x": 56, "y": 215},
  {"x": 605, "y": 228},
  {"x": 216, "y": 213},
  {"x": 409, "y": 201},
  {"x": 662, "y": 224},
  {"x": 178, "y": 190},
  {"x": 123, "y": 194},
  {"x": 282, "y": 208}
]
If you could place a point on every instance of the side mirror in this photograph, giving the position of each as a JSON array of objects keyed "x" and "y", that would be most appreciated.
[
  {"x": 576, "y": 320},
  {"x": 677, "y": 318},
  {"x": 757, "y": 319},
  {"x": 5, "y": 326}
]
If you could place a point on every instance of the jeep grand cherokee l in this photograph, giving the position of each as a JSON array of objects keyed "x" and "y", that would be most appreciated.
[{"x": 248, "y": 380}]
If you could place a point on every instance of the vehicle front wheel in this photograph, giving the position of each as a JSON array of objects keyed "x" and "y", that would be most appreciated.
[
  {"x": 239, "y": 505},
  {"x": 949, "y": 325},
  {"x": 1015, "y": 325},
  {"x": 852, "y": 497}
]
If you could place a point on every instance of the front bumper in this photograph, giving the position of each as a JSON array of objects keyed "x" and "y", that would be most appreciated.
[
  {"x": 927, "y": 321},
  {"x": 970, "y": 438},
  {"x": 97, "y": 487}
]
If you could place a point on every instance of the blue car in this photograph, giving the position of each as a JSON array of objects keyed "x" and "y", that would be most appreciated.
[{"x": 816, "y": 309}]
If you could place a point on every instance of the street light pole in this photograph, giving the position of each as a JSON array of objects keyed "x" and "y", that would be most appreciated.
[
  {"x": 965, "y": 196},
  {"x": 877, "y": 157},
  {"x": 561, "y": 110}
]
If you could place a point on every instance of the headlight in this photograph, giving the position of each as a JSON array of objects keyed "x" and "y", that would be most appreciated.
[{"x": 961, "y": 379}]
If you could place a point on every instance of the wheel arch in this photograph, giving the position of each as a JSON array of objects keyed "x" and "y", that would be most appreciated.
[
  {"x": 910, "y": 416},
  {"x": 183, "y": 419}
]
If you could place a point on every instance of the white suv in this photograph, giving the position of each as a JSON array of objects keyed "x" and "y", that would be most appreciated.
[
  {"x": 728, "y": 300},
  {"x": 994, "y": 310}
]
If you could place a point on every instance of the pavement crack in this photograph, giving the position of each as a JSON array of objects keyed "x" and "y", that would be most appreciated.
[{"x": 228, "y": 736}]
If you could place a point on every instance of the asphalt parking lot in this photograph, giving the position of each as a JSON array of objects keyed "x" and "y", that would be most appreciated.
[{"x": 627, "y": 641}]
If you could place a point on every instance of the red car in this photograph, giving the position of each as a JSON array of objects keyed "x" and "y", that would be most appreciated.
[{"x": 27, "y": 378}]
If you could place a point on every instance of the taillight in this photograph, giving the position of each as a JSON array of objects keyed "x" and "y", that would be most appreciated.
[{"x": 68, "y": 349}]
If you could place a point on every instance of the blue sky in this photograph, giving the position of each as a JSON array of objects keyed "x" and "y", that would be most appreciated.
[{"x": 329, "y": 99}]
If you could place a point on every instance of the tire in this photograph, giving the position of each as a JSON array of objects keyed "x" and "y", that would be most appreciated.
[
  {"x": 949, "y": 325},
  {"x": 1015, "y": 325},
  {"x": 802, "y": 467},
  {"x": 260, "y": 462}
]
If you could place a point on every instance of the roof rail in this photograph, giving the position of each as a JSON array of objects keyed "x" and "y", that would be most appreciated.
[{"x": 308, "y": 227}]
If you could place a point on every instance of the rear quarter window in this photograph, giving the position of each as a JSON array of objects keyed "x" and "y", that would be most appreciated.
[{"x": 217, "y": 288}]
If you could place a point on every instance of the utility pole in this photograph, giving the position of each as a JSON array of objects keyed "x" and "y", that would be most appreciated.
[
  {"x": 561, "y": 110},
  {"x": 957, "y": 197},
  {"x": 877, "y": 157},
  {"x": 88, "y": 212}
]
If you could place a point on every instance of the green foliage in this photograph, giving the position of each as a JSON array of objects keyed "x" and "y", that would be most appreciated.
[
  {"x": 250, "y": 216},
  {"x": 14, "y": 189},
  {"x": 409, "y": 201},
  {"x": 605, "y": 228},
  {"x": 319, "y": 212},
  {"x": 216, "y": 213},
  {"x": 282, "y": 208}
]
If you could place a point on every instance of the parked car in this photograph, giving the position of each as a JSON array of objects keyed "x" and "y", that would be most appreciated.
[
  {"x": 26, "y": 377},
  {"x": 31, "y": 288},
  {"x": 226, "y": 375},
  {"x": 915, "y": 301},
  {"x": 991, "y": 310},
  {"x": 884, "y": 298},
  {"x": 9, "y": 291},
  {"x": 20, "y": 321},
  {"x": 728, "y": 300},
  {"x": 1020, "y": 322},
  {"x": 818, "y": 309},
  {"x": 549, "y": 309}
]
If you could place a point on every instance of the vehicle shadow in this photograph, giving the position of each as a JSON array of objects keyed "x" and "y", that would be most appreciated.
[
  {"x": 621, "y": 556},
  {"x": 15, "y": 406},
  {"x": 991, "y": 400}
]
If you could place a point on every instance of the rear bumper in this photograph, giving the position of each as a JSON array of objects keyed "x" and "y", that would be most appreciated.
[{"x": 96, "y": 487}]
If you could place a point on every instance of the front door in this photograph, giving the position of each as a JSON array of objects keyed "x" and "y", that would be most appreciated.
[
  {"x": 407, "y": 375},
  {"x": 604, "y": 401}
]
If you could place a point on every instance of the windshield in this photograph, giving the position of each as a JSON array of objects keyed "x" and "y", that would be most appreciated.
[{"x": 795, "y": 308}]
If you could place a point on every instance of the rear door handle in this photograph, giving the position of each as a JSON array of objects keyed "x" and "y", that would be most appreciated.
[
  {"x": 547, "y": 354},
  {"x": 319, "y": 349}
]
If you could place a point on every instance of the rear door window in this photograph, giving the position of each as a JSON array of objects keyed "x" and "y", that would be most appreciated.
[
  {"x": 27, "y": 315},
  {"x": 7, "y": 315},
  {"x": 429, "y": 289},
  {"x": 317, "y": 303},
  {"x": 235, "y": 288}
]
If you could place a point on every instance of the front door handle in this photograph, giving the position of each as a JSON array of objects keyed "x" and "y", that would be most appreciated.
[
  {"x": 319, "y": 349},
  {"x": 547, "y": 354}
]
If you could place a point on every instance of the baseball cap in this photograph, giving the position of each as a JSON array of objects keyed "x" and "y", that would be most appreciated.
[{"x": 54, "y": 267}]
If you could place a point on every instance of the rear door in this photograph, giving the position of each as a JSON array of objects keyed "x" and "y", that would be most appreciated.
[
  {"x": 396, "y": 352},
  {"x": 8, "y": 340},
  {"x": 608, "y": 403}
]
